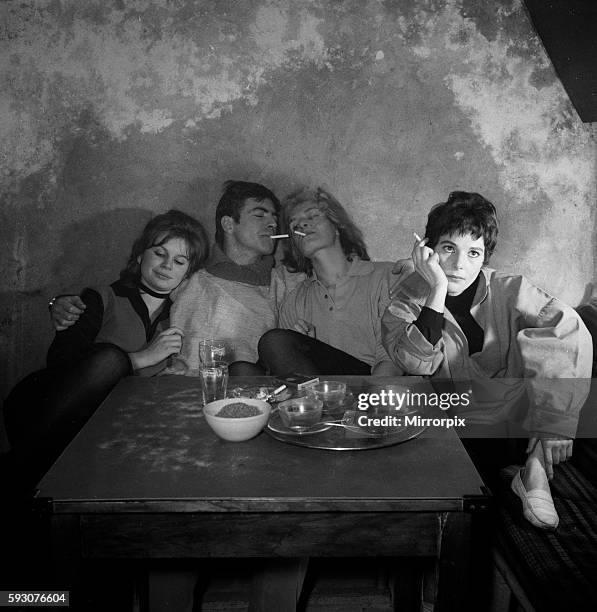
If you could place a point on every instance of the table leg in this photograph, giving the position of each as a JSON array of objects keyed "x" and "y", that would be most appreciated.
[
  {"x": 277, "y": 584},
  {"x": 66, "y": 551},
  {"x": 454, "y": 563},
  {"x": 406, "y": 584},
  {"x": 171, "y": 589}
]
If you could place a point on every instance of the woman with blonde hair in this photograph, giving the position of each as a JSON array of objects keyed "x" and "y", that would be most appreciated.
[{"x": 330, "y": 323}]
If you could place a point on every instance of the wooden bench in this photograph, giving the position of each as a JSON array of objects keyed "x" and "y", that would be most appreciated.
[{"x": 557, "y": 570}]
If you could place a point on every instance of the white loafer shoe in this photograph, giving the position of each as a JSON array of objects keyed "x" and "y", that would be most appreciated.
[{"x": 537, "y": 505}]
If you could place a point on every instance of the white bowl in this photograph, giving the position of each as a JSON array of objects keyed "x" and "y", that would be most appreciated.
[{"x": 236, "y": 429}]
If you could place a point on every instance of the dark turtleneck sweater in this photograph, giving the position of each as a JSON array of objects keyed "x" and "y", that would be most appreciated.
[
  {"x": 258, "y": 273},
  {"x": 430, "y": 322}
]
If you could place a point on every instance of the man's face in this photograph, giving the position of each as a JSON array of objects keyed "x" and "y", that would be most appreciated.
[
  {"x": 461, "y": 258},
  {"x": 258, "y": 221},
  {"x": 320, "y": 232}
]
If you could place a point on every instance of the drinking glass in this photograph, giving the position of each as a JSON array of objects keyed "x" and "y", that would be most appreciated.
[
  {"x": 211, "y": 350},
  {"x": 214, "y": 380}
]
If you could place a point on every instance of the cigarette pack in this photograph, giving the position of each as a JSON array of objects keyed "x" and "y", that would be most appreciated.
[{"x": 298, "y": 381}]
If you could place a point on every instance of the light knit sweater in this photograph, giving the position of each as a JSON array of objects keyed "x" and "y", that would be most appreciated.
[{"x": 206, "y": 306}]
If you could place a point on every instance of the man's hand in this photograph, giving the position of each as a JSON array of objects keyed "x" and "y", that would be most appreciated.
[
  {"x": 555, "y": 450},
  {"x": 66, "y": 311},
  {"x": 303, "y": 327},
  {"x": 166, "y": 343}
]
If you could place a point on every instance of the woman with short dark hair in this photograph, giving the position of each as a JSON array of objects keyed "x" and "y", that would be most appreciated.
[{"x": 452, "y": 317}]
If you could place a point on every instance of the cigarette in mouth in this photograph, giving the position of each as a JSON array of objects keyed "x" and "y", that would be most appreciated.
[
  {"x": 279, "y": 236},
  {"x": 417, "y": 237},
  {"x": 299, "y": 233}
]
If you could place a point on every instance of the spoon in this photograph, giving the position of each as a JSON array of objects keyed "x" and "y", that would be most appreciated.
[{"x": 348, "y": 421}]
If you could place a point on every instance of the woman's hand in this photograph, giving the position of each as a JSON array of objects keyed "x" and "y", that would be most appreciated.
[
  {"x": 304, "y": 327},
  {"x": 66, "y": 310},
  {"x": 555, "y": 450},
  {"x": 166, "y": 343},
  {"x": 426, "y": 263}
]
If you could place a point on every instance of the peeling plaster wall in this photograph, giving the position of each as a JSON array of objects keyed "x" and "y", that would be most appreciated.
[{"x": 111, "y": 111}]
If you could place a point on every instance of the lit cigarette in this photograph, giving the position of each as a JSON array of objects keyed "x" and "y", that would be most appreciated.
[
  {"x": 417, "y": 237},
  {"x": 299, "y": 233},
  {"x": 279, "y": 236},
  {"x": 279, "y": 390}
]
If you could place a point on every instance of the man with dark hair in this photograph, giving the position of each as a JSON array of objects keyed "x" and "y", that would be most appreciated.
[
  {"x": 236, "y": 296},
  {"x": 236, "y": 193}
]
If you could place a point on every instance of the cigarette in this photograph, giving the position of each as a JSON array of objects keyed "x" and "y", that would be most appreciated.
[
  {"x": 417, "y": 237},
  {"x": 279, "y": 390},
  {"x": 279, "y": 236},
  {"x": 299, "y": 233}
]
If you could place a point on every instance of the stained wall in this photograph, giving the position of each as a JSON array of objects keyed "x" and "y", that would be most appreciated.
[{"x": 112, "y": 111}]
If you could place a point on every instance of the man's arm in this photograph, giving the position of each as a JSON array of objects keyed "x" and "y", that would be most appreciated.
[
  {"x": 292, "y": 315},
  {"x": 72, "y": 342},
  {"x": 65, "y": 311}
]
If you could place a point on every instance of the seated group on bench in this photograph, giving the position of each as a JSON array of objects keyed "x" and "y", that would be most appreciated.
[{"x": 325, "y": 309}]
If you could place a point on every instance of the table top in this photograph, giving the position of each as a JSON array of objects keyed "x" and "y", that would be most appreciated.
[{"x": 149, "y": 448}]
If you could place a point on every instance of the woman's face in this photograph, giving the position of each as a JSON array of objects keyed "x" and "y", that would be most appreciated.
[
  {"x": 461, "y": 258},
  {"x": 320, "y": 232},
  {"x": 164, "y": 266}
]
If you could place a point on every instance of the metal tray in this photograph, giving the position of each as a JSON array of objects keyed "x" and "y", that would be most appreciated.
[{"x": 341, "y": 438}]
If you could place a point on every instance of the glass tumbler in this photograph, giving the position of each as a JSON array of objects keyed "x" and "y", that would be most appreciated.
[
  {"x": 214, "y": 380},
  {"x": 211, "y": 350}
]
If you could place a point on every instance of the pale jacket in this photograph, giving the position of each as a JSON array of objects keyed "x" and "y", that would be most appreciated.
[{"x": 528, "y": 334}]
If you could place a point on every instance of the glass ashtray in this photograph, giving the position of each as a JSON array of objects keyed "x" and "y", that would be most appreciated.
[{"x": 265, "y": 393}]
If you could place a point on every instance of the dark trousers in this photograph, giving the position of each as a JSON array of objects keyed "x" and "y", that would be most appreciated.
[
  {"x": 284, "y": 351},
  {"x": 46, "y": 409}
]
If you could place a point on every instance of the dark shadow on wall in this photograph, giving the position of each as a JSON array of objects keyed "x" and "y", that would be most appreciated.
[
  {"x": 95, "y": 249},
  {"x": 89, "y": 252}
]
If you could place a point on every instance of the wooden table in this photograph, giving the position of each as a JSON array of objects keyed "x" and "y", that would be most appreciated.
[{"x": 147, "y": 478}]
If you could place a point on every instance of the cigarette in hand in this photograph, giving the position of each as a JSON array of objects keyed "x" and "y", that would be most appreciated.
[
  {"x": 279, "y": 390},
  {"x": 417, "y": 237},
  {"x": 279, "y": 236},
  {"x": 299, "y": 233}
]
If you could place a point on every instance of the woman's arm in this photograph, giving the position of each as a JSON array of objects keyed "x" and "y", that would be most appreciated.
[
  {"x": 166, "y": 343},
  {"x": 403, "y": 330},
  {"x": 404, "y": 341},
  {"x": 293, "y": 316},
  {"x": 72, "y": 343},
  {"x": 556, "y": 352}
]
